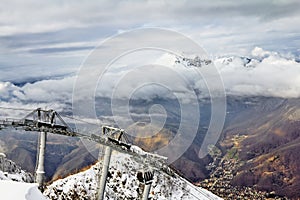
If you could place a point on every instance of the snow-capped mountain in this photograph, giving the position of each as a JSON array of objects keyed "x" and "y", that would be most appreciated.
[
  {"x": 122, "y": 183},
  {"x": 237, "y": 61}
]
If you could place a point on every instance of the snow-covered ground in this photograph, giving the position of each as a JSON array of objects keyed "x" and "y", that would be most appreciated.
[
  {"x": 122, "y": 183},
  {"x": 16, "y": 184},
  {"x": 11, "y": 171},
  {"x": 13, "y": 190}
]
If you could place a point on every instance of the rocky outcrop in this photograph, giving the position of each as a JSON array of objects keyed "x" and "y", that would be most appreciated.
[{"x": 9, "y": 170}]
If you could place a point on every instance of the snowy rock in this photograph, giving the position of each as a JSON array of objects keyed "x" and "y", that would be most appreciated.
[
  {"x": 11, "y": 171},
  {"x": 122, "y": 183}
]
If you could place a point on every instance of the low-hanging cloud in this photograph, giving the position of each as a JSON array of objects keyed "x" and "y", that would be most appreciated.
[
  {"x": 47, "y": 94},
  {"x": 263, "y": 73},
  {"x": 266, "y": 74}
]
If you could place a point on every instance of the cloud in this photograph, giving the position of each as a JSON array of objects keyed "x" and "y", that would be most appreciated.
[
  {"x": 44, "y": 44},
  {"x": 61, "y": 49},
  {"x": 260, "y": 53},
  {"x": 49, "y": 90},
  {"x": 233, "y": 23},
  {"x": 263, "y": 73},
  {"x": 8, "y": 90},
  {"x": 51, "y": 39},
  {"x": 54, "y": 94},
  {"x": 267, "y": 74}
]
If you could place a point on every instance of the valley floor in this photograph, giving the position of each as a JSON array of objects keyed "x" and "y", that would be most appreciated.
[{"x": 219, "y": 182}]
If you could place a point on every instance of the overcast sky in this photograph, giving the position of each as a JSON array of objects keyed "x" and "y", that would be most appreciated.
[
  {"x": 44, "y": 43},
  {"x": 51, "y": 38}
]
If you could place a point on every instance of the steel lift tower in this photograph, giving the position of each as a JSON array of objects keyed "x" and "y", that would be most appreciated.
[
  {"x": 49, "y": 121},
  {"x": 43, "y": 121}
]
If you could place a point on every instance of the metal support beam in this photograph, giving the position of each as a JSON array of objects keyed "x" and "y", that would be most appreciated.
[
  {"x": 146, "y": 191},
  {"x": 2, "y": 161},
  {"x": 105, "y": 167},
  {"x": 40, "y": 171},
  {"x": 148, "y": 178}
]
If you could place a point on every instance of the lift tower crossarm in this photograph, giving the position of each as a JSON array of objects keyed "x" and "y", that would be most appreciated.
[
  {"x": 40, "y": 121},
  {"x": 49, "y": 121},
  {"x": 35, "y": 121}
]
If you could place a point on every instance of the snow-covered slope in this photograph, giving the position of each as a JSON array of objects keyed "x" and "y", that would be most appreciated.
[
  {"x": 11, "y": 171},
  {"x": 123, "y": 184},
  {"x": 13, "y": 190},
  {"x": 15, "y": 183}
]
